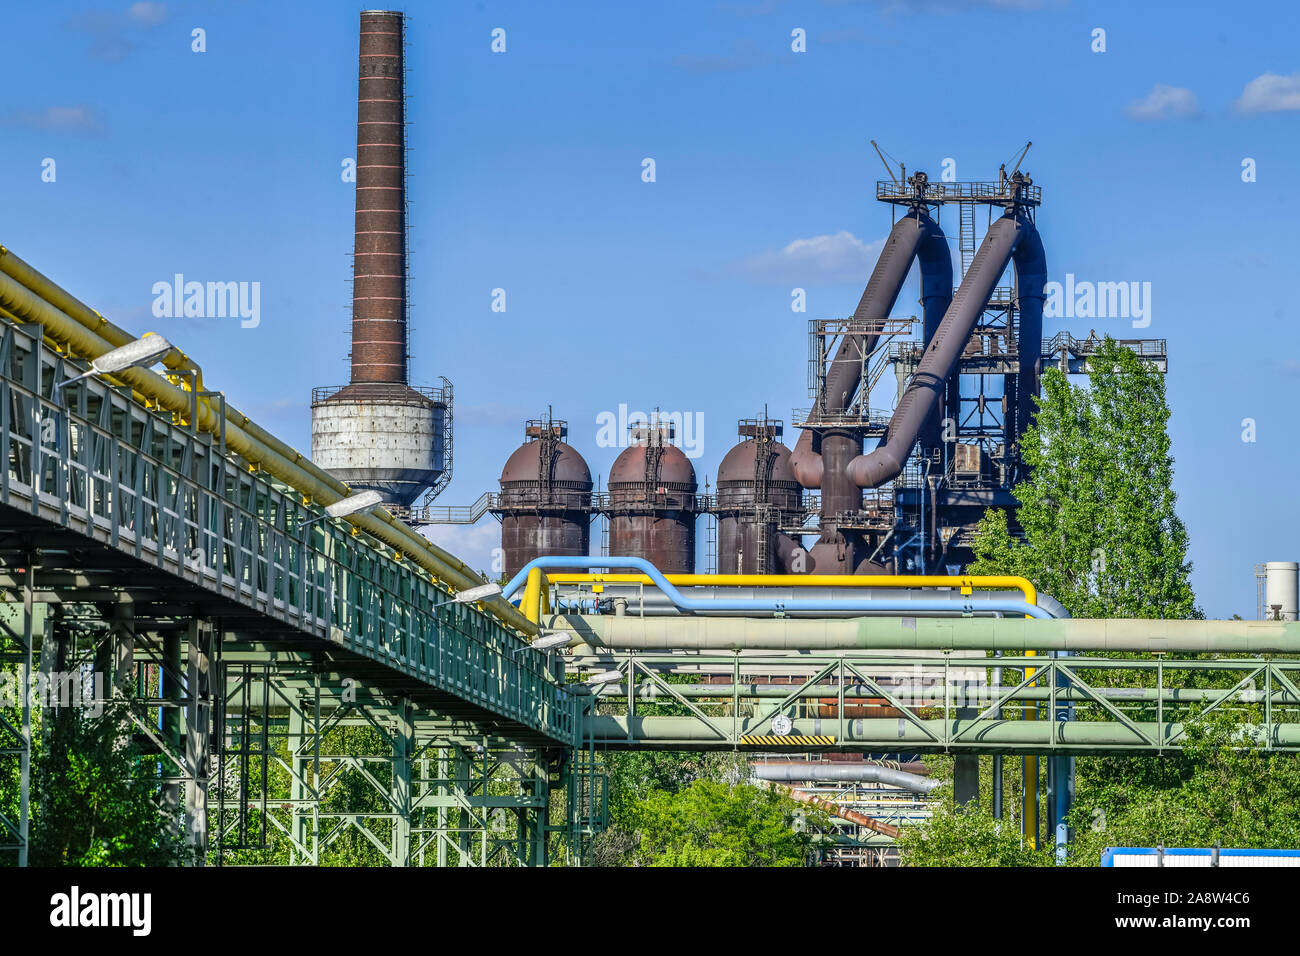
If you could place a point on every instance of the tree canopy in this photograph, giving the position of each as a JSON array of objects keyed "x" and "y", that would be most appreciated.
[{"x": 1101, "y": 534}]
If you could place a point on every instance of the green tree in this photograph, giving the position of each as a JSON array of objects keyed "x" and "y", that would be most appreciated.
[
  {"x": 11, "y": 722},
  {"x": 966, "y": 836},
  {"x": 1214, "y": 791},
  {"x": 93, "y": 796},
  {"x": 1101, "y": 534},
  {"x": 636, "y": 776},
  {"x": 712, "y": 824}
]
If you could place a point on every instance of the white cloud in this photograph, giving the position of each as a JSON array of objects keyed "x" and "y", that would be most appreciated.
[
  {"x": 150, "y": 14},
  {"x": 1165, "y": 102},
  {"x": 112, "y": 32},
  {"x": 839, "y": 257},
  {"x": 472, "y": 544},
  {"x": 57, "y": 118},
  {"x": 1270, "y": 93}
]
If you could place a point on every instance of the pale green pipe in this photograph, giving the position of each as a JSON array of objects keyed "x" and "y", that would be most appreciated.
[
  {"x": 1010, "y": 635},
  {"x": 243, "y": 436},
  {"x": 933, "y": 694},
  {"x": 889, "y": 733}
]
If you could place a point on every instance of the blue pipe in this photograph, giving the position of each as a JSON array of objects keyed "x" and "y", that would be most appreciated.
[{"x": 937, "y": 603}]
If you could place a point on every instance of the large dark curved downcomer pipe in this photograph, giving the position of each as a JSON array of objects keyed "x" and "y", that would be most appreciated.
[
  {"x": 914, "y": 236},
  {"x": 822, "y": 461},
  {"x": 1031, "y": 280},
  {"x": 1012, "y": 236}
]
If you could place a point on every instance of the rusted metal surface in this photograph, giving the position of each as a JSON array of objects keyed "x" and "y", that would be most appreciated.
[
  {"x": 545, "y": 504},
  {"x": 653, "y": 505},
  {"x": 822, "y": 458},
  {"x": 1014, "y": 235},
  {"x": 757, "y": 494},
  {"x": 860, "y": 708},
  {"x": 834, "y": 809}
]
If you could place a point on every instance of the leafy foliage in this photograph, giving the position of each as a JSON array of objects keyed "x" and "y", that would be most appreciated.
[
  {"x": 692, "y": 809},
  {"x": 712, "y": 824},
  {"x": 94, "y": 796},
  {"x": 1215, "y": 791},
  {"x": 1101, "y": 534},
  {"x": 9, "y": 759},
  {"x": 962, "y": 836}
]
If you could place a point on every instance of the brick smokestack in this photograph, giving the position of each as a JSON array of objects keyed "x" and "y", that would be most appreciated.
[
  {"x": 378, "y": 433},
  {"x": 379, "y": 261}
]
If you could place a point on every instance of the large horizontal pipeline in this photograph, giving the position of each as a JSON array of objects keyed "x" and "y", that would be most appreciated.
[
  {"x": 34, "y": 297},
  {"x": 832, "y": 601},
  {"x": 928, "y": 695},
  {"x": 1011, "y": 635},
  {"x": 804, "y": 582},
  {"x": 939, "y": 601},
  {"x": 845, "y": 773},
  {"x": 933, "y": 734}
]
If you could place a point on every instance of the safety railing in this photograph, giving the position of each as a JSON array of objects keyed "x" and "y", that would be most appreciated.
[
  {"x": 1065, "y": 342},
  {"x": 91, "y": 459}
]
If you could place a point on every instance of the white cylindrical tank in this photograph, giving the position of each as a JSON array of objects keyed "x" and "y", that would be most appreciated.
[
  {"x": 392, "y": 442},
  {"x": 1281, "y": 588}
]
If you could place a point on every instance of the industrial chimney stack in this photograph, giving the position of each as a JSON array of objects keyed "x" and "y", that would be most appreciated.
[
  {"x": 379, "y": 264},
  {"x": 378, "y": 433}
]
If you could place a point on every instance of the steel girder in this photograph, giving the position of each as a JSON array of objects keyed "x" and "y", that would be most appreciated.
[
  {"x": 318, "y": 769},
  {"x": 90, "y": 655},
  {"x": 833, "y": 701}
]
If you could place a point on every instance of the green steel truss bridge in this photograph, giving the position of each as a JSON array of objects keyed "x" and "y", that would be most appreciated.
[
  {"x": 305, "y": 690},
  {"x": 941, "y": 704},
  {"x": 258, "y": 661}
]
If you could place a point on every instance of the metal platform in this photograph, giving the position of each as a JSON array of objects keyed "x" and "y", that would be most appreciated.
[
  {"x": 1071, "y": 355},
  {"x": 973, "y": 193}
]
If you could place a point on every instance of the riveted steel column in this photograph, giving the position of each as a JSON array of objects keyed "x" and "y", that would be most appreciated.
[
  {"x": 403, "y": 731},
  {"x": 198, "y": 741},
  {"x": 30, "y": 630},
  {"x": 462, "y": 767},
  {"x": 444, "y": 789},
  {"x": 171, "y": 694},
  {"x": 304, "y": 778}
]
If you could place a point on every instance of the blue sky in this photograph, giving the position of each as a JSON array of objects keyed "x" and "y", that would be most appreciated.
[{"x": 525, "y": 175}]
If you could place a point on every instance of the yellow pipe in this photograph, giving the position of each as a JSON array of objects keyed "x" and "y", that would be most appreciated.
[
  {"x": 46, "y": 288},
  {"x": 965, "y": 582},
  {"x": 243, "y": 436},
  {"x": 535, "y": 602}
]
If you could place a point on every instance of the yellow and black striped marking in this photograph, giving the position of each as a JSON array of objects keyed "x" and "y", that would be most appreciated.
[{"x": 790, "y": 740}]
